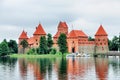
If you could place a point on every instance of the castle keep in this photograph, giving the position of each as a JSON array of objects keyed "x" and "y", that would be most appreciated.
[{"x": 77, "y": 40}]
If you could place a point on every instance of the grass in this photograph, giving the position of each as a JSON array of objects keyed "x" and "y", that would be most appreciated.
[{"x": 57, "y": 55}]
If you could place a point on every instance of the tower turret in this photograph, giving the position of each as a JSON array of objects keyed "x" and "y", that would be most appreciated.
[
  {"x": 23, "y": 36},
  {"x": 101, "y": 41},
  {"x": 62, "y": 28}
]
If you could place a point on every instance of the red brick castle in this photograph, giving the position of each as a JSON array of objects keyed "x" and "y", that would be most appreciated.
[{"x": 77, "y": 40}]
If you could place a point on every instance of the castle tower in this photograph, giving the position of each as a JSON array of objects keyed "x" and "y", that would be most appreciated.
[
  {"x": 62, "y": 28},
  {"x": 37, "y": 34},
  {"x": 23, "y": 36},
  {"x": 101, "y": 41}
]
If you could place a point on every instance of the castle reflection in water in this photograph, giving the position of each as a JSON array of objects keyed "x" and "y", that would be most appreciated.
[{"x": 64, "y": 69}]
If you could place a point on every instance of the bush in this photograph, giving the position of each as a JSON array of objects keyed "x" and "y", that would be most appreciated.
[
  {"x": 31, "y": 51},
  {"x": 53, "y": 51}
]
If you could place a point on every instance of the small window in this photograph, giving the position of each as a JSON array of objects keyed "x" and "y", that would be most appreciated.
[
  {"x": 36, "y": 43},
  {"x": 36, "y": 40},
  {"x": 98, "y": 39},
  {"x": 100, "y": 43},
  {"x": 73, "y": 42}
]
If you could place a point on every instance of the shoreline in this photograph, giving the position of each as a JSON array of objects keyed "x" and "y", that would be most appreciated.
[{"x": 37, "y": 56}]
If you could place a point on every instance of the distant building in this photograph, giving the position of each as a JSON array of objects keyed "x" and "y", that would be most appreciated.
[{"x": 77, "y": 40}]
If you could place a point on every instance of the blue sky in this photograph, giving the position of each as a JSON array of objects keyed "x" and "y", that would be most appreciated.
[{"x": 87, "y": 15}]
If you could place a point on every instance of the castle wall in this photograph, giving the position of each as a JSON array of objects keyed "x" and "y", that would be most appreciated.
[
  {"x": 72, "y": 45},
  {"x": 87, "y": 47},
  {"x": 101, "y": 49}
]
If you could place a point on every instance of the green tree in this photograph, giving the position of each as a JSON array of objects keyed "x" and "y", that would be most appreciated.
[
  {"x": 5, "y": 41},
  {"x": 90, "y": 38},
  {"x": 62, "y": 43},
  {"x": 49, "y": 42},
  {"x": 4, "y": 49},
  {"x": 24, "y": 44},
  {"x": 13, "y": 46},
  {"x": 43, "y": 45},
  {"x": 110, "y": 44},
  {"x": 114, "y": 43}
]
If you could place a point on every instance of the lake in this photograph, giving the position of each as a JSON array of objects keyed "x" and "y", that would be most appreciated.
[{"x": 60, "y": 69}]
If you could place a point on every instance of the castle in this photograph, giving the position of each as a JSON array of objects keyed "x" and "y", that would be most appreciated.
[{"x": 77, "y": 40}]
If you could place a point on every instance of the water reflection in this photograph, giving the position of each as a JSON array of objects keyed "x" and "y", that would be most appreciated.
[
  {"x": 101, "y": 67},
  {"x": 78, "y": 68},
  {"x": 8, "y": 62},
  {"x": 62, "y": 73},
  {"x": 60, "y": 69}
]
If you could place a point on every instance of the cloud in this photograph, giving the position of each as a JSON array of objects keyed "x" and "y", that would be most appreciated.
[{"x": 16, "y": 15}]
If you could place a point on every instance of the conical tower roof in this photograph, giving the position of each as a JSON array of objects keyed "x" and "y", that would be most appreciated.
[
  {"x": 101, "y": 31},
  {"x": 23, "y": 35},
  {"x": 39, "y": 30}
]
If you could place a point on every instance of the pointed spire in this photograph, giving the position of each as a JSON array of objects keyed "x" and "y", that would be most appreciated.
[
  {"x": 23, "y": 35},
  {"x": 101, "y": 31},
  {"x": 39, "y": 30}
]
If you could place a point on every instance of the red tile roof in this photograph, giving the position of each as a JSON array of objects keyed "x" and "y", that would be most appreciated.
[
  {"x": 63, "y": 24},
  {"x": 101, "y": 31},
  {"x": 23, "y": 35},
  {"x": 31, "y": 40},
  {"x": 76, "y": 33},
  {"x": 39, "y": 30}
]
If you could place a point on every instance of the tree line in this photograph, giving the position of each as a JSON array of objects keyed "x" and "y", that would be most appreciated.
[{"x": 8, "y": 47}]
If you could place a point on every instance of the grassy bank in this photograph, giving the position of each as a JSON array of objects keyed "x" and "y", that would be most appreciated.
[{"x": 37, "y": 56}]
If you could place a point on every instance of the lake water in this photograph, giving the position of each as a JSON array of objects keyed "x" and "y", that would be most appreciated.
[{"x": 60, "y": 69}]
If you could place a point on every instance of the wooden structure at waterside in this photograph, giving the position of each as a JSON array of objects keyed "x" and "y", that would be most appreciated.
[{"x": 110, "y": 53}]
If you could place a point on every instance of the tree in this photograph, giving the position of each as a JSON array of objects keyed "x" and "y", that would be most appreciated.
[
  {"x": 12, "y": 44},
  {"x": 24, "y": 44},
  {"x": 43, "y": 45},
  {"x": 114, "y": 43},
  {"x": 62, "y": 43},
  {"x": 90, "y": 38},
  {"x": 49, "y": 42},
  {"x": 4, "y": 49},
  {"x": 110, "y": 44}
]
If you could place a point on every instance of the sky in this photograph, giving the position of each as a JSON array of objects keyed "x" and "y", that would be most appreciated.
[{"x": 85, "y": 15}]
